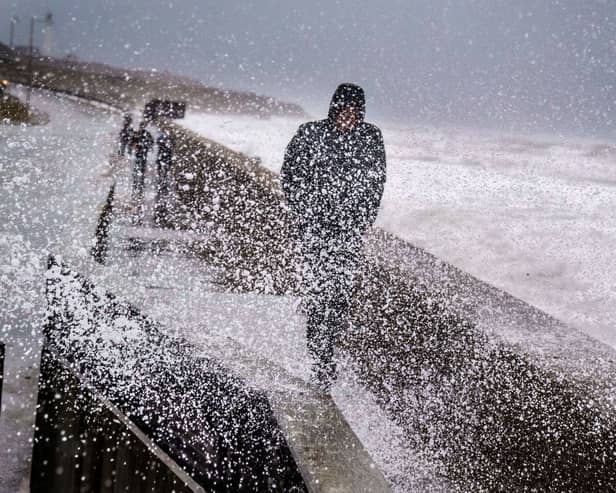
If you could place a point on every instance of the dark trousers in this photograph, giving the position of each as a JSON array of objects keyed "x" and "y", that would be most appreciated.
[
  {"x": 328, "y": 271},
  {"x": 162, "y": 191},
  {"x": 139, "y": 178},
  {"x": 325, "y": 325},
  {"x": 162, "y": 182}
]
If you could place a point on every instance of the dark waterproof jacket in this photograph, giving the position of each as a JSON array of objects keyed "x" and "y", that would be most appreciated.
[
  {"x": 165, "y": 149},
  {"x": 126, "y": 134},
  {"x": 333, "y": 180},
  {"x": 142, "y": 143}
]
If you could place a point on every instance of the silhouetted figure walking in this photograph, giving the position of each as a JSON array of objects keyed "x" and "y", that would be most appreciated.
[
  {"x": 126, "y": 135},
  {"x": 142, "y": 144},
  {"x": 101, "y": 247},
  {"x": 163, "y": 164},
  {"x": 333, "y": 177}
]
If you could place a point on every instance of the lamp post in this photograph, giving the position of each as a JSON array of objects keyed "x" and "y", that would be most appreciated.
[
  {"x": 48, "y": 21},
  {"x": 14, "y": 20}
]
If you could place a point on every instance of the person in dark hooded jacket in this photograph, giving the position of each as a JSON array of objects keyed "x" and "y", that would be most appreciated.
[
  {"x": 164, "y": 161},
  {"x": 332, "y": 176},
  {"x": 142, "y": 144},
  {"x": 126, "y": 135}
]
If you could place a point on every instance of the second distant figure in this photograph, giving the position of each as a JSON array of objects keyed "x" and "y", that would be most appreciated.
[
  {"x": 164, "y": 161},
  {"x": 142, "y": 144},
  {"x": 333, "y": 177},
  {"x": 126, "y": 135}
]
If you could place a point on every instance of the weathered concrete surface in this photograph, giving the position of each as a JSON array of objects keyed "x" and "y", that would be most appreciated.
[
  {"x": 499, "y": 417},
  {"x": 504, "y": 396},
  {"x": 329, "y": 455},
  {"x": 548, "y": 342},
  {"x": 156, "y": 270}
]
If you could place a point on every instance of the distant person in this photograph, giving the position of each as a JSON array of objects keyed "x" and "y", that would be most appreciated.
[
  {"x": 142, "y": 144},
  {"x": 3, "y": 88},
  {"x": 163, "y": 164},
  {"x": 126, "y": 135},
  {"x": 333, "y": 177}
]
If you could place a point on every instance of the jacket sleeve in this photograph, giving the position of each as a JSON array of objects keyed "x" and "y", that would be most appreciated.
[
  {"x": 293, "y": 171},
  {"x": 377, "y": 176}
]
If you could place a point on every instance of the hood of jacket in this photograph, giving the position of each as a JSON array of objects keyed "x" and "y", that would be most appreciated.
[{"x": 347, "y": 95}]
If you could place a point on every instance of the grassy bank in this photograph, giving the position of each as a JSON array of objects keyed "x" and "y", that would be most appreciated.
[
  {"x": 127, "y": 89},
  {"x": 13, "y": 111}
]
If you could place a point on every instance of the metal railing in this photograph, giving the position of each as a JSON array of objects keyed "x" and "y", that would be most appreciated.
[
  {"x": 113, "y": 385},
  {"x": 85, "y": 443}
]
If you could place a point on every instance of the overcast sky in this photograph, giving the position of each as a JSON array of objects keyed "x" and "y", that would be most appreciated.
[{"x": 524, "y": 64}]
